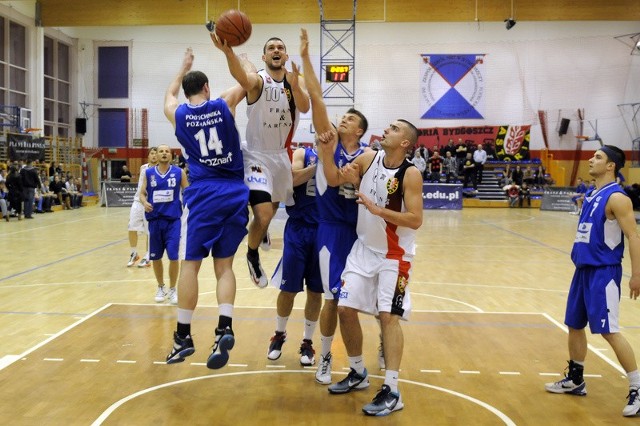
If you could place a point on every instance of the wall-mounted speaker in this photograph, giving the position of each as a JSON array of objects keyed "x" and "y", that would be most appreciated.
[
  {"x": 564, "y": 126},
  {"x": 81, "y": 125}
]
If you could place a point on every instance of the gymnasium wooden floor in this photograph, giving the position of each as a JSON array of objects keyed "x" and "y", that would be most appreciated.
[{"x": 83, "y": 342}]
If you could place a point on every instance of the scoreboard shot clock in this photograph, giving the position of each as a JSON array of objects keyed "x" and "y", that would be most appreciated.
[{"x": 337, "y": 73}]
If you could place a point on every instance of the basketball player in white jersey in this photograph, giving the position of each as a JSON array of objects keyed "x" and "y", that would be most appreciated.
[
  {"x": 137, "y": 221},
  {"x": 275, "y": 98},
  {"x": 378, "y": 268}
]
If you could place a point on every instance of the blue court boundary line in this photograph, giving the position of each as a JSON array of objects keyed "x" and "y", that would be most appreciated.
[{"x": 64, "y": 259}]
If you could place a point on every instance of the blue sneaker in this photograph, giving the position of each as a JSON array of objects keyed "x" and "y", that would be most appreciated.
[
  {"x": 353, "y": 381},
  {"x": 223, "y": 344},
  {"x": 182, "y": 348}
]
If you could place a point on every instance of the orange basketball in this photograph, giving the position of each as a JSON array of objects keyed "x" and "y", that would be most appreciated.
[{"x": 234, "y": 27}]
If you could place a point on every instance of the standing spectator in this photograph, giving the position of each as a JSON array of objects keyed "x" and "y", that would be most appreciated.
[
  {"x": 125, "y": 176},
  {"x": 16, "y": 191},
  {"x": 275, "y": 99},
  {"x": 160, "y": 194},
  {"x": 435, "y": 167},
  {"x": 449, "y": 147},
  {"x": 517, "y": 175},
  {"x": 52, "y": 172},
  {"x": 469, "y": 171},
  {"x": 215, "y": 203},
  {"x": 30, "y": 181},
  {"x": 594, "y": 294},
  {"x": 479, "y": 158},
  {"x": 461, "y": 154},
  {"x": 420, "y": 163},
  {"x": 450, "y": 165},
  {"x": 4, "y": 195}
]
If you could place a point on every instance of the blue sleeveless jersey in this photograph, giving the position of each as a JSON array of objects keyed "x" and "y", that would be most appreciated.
[
  {"x": 163, "y": 191},
  {"x": 599, "y": 241},
  {"x": 304, "y": 195},
  {"x": 210, "y": 141},
  {"x": 337, "y": 204}
]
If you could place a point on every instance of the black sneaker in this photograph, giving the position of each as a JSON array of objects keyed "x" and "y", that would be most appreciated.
[
  {"x": 353, "y": 381},
  {"x": 182, "y": 348},
  {"x": 384, "y": 403},
  {"x": 307, "y": 353},
  {"x": 258, "y": 276},
  {"x": 223, "y": 344},
  {"x": 275, "y": 347}
]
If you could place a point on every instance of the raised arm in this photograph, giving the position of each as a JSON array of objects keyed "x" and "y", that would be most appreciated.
[
  {"x": 250, "y": 81},
  {"x": 171, "y": 96},
  {"x": 300, "y": 95}
]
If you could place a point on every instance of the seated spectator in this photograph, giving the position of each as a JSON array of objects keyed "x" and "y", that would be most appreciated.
[
  {"x": 72, "y": 190},
  {"x": 527, "y": 175},
  {"x": 79, "y": 189},
  {"x": 539, "y": 177},
  {"x": 419, "y": 162},
  {"x": 578, "y": 198},
  {"x": 450, "y": 166},
  {"x": 60, "y": 191},
  {"x": 525, "y": 194},
  {"x": 44, "y": 199},
  {"x": 512, "y": 191},
  {"x": 633, "y": 192},
  {"x": 517, "y": 175}
]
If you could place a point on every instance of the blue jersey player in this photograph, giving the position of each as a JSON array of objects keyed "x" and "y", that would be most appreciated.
[
  {"x": 594, "y": 296},
  {"x": 299, "y": 263},
  {"x": 215, "y": 204},
  {"x": 160, "y": 194}
]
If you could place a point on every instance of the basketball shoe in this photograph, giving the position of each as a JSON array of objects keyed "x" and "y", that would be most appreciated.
[
  {"x": 385, "y": 402},
  {"x": 323, "y": 373},
  {"x": 275, "y": 347},
  {"x": 265, "y": 244},
  {"x": 353, "y": 381},
  {"x": 182, "y": 348},
  {"x": 173, "y": 296},
  {"x": 160, "y": 294},
  {"x": 307, "y": 353},
  {"x": 133, "y": 259},
  {"x": 633, "y": 406},
  {"x": 222, "y": 345},
  {"x": 258, "y": 276}
]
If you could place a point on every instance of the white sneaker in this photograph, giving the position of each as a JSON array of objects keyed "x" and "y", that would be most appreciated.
[
  {"x": 567, "y": 385},
  {"x": 144, "y": 263},
  {"x": 633, "y": 406},
  {"x": 323, "y": 374},
  {"x": 133, "y": 259},
  {"x": 160, "y": 294},
  {"x": 265, "y": 244},
  {"x": 173, "y": 296}
]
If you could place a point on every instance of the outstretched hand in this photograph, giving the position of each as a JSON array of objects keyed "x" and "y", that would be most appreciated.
[
  {"x": 187, "y": 62},
  {"x": 220, "y": 43},
  {"x": 304, "y": 42},
  {"x": 292, "y": 76}
]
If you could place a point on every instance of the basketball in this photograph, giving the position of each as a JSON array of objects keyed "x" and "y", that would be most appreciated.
[{"x": 234, "y": 27}]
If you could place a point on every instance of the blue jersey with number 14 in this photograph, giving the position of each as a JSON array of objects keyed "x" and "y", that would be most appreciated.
[{"x": 210, "y": 141}]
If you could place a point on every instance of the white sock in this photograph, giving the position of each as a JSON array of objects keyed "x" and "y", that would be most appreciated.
[
  {"x": 309, "y": 329},
  {"x": 634, "y": 379},
  {"x": 326, "y": 342},
  {"x": 184, "y": 316},
  {"x": 356, "y": 363},
  {"x": 281, "y": 323},
  {"x": 225, "y": 309},
  {"x": 391, "y": 380},
  {"x": 134, "y": 252}
]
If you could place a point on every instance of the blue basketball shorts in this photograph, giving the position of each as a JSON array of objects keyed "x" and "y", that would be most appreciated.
[
  {"x": 214, "y": 219},
  {"x": 334, "y": 243},
  {"x": 299, "y": 264},
  {"x": 164, "y": 234},
  {"x": 594, "y": 299}
]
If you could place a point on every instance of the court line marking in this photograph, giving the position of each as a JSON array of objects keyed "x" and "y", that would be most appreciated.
[
  {"x": 477, "y": 309},
  {"x": 55, "y": 336},
  {"x": 105, "y": 414},
  {"x": 589, "y": 345}
]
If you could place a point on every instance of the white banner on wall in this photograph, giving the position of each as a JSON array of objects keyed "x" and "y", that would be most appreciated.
[{"x": 452, "y": 86}]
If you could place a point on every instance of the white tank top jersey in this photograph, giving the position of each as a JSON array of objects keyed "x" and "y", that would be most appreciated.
[
  {"x": 143, "y": 169},
  {"x": 384, "y": 187},
  {"x": 273, "y": 117}
]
